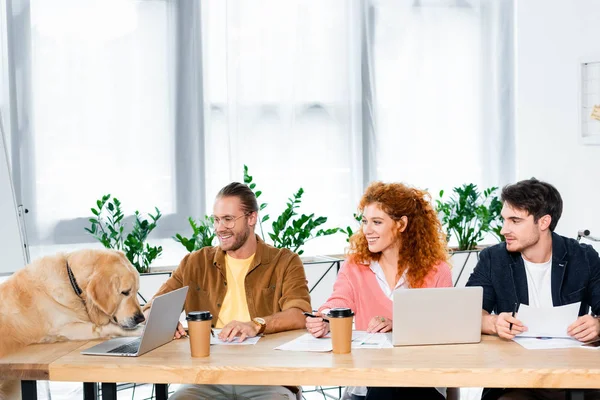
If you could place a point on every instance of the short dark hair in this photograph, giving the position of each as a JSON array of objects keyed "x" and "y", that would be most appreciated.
[
  {"x": 243, "y": 192},
  {"x": 536, "y": 197}
]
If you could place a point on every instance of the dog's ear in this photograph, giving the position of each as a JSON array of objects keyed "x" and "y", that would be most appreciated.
[{"x": 104, "y": 293}]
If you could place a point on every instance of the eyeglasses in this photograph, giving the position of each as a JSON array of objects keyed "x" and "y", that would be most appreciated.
[{"x": 227, "y": 221}]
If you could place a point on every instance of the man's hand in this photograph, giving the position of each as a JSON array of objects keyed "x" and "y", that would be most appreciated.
[
  {"x": 503, "y": 328},
  {"x": 585, "y": 328},
  {"x": 180, "y": 332},
  {"x": 379, "y": 324},
  {"x": 236, "y": 328},
  {"x": 316, "y": 326}
]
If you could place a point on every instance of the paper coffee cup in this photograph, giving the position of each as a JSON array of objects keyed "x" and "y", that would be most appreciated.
[
  {"x": 340, "y": 323},
  {"x": 199, "y": 330}
]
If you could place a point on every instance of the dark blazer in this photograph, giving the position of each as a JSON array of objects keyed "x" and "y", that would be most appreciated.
[{"x": 575, "y": 276}]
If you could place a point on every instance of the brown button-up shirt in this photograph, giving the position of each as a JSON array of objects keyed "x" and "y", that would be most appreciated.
[{"x": 275, "y": 281}]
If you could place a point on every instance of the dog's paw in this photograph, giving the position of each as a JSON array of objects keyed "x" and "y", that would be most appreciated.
[
  {"x": 137, "y": 331},
  {"x": 113, "y": 330}
]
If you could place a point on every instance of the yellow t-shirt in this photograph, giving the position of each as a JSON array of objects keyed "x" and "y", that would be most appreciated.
[{"x": 235, "y": 304}]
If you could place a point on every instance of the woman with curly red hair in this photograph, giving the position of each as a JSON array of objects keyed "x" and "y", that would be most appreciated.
[{"x": 401, "y": 245}]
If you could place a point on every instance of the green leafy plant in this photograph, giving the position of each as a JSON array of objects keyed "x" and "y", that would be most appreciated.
[
  {"x": 469, "y": 214},
  {"x": 203, "y": 234},
  {"x": 496, "y": 224},
  {"x": 348, "y": 231},
  {"x": 293, "y": 233},
  {"x": 290, "y": 230},
  {"x": 107, "y": 226},
  {"x": 248, "y": 181}
]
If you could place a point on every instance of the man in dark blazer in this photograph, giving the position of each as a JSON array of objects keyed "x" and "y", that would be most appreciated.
[{"x": 537, "y": 267}]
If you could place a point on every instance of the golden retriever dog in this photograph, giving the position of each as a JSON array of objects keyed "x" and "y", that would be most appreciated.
[{"x": 84, "y": 295}]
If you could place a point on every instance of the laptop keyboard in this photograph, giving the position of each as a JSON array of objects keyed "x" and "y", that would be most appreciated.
[{"x": 127, "y": 348}]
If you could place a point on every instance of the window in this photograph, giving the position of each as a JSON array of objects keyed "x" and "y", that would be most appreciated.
[{"x": 165, "y": 104}]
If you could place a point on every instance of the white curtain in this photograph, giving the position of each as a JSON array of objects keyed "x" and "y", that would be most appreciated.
[
  {"x": 161, "y": 103},
  {"x": 283, "y": 96},
  {"x": 4, "y": 80},
  {"x": 103, "y": 119},
  {"x": 14, "y": 77},
  {"x": 104, "y": 79},
  {"x": 332, "y": 95},
  {"x": 443, "y": 84}
]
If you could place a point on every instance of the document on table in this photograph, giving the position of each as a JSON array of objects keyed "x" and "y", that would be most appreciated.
[
  {"x": 366, "y": 340},
  {"x": 542, "y": 343},
  {"x": 360, "y": 340},
  {"x": 307, "y": 342},
  {"x": 547, "y": 321},
  {"x": 215, "y": 340}
]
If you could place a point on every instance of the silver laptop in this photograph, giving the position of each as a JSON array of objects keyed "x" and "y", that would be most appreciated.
[
  {"x": 160, "y": 328},
  {"x": 437, "y": 316}
]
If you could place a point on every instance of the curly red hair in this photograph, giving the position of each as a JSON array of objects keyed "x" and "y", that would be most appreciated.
[{"x": 423, "y": 243}]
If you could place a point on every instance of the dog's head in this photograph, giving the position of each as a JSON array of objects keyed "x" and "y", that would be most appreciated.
[{"x": 112, "y": 286}]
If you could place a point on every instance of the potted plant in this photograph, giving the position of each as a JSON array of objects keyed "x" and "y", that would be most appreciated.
[
  {"x": 248, "y": 181},
  {"x": 291, "y": 230},
  {"x": 107, "y": 226},
  {"x": 349, "y": 231},
  {"x": 469, "y": 214},
  {"x": 203, "y": 234}
]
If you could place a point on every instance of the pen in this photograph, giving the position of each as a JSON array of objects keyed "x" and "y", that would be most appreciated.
[
  {"x": 513, "y": 315},
  {"x": 314, "y": 316}
]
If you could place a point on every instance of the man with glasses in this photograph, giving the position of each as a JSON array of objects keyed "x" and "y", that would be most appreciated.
[{"x": 250, "y": 288}]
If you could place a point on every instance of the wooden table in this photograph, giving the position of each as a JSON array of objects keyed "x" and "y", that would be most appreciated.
[
  {"x": 32, "y": 363},
  {"x": 491, "y": 363}
]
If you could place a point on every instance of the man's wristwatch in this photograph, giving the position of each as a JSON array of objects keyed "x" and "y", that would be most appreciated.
[{"x": 261, "y": 323}]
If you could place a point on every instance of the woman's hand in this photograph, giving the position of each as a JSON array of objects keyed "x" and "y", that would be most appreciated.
[
  {"x": 379, "y": 324},
  {"x": 316, "y": 326}
]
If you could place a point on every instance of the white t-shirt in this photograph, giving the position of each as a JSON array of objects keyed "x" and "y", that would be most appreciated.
[{"x": 539, "y": 284}]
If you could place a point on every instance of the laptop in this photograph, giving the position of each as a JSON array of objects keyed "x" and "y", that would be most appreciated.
[
  {"x": 437, "y": 316},
  {"x": 160, "y": 328}
]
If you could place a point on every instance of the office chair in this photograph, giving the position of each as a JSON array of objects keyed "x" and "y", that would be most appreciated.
[{"x": 585, "y": 233}]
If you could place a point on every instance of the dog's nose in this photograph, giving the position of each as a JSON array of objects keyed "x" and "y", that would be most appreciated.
[{"x": 139, "y": 318}]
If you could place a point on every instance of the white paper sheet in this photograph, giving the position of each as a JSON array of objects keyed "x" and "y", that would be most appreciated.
[
  {"x": 547, "y": 321},
  {"x": 540, "y": 343},
  {"x": 365, "y": 340},
  {"x": 215, "y": 340},
  {"x": 534, "y": 343},
  {"x": 307, "y": 342},
  {"x": 360, "y": 340}
]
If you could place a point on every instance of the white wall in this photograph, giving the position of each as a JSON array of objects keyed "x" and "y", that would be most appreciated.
[{"x": 551, "y": 35}]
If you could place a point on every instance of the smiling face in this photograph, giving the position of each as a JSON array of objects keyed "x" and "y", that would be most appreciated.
[
  {"x": 379, "y": 229},
  {"x": 520, "y": 230},
  {"x": 226, "y": 211}
]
